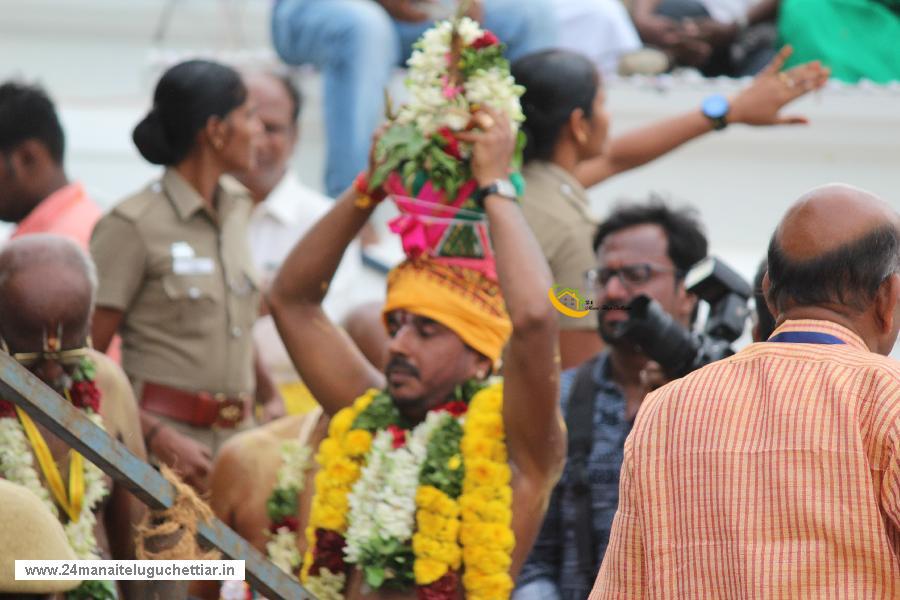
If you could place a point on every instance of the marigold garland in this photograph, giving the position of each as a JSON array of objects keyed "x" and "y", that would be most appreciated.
[{"x": 462, "y": 503}]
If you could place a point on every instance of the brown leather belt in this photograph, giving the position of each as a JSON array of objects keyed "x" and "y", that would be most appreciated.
[{"x": 198, "y": 409}]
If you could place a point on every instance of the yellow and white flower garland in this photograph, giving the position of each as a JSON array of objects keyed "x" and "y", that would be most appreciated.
[
  {"x": 473, "y": 529},
  {"x": 17, "y": 465}
]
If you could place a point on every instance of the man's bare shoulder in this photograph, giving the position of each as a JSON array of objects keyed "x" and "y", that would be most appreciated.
[
  {"x": 250, "y": 447},
  {"x": 118, "y": 405}
]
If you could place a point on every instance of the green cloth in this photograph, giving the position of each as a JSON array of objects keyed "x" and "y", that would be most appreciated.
[{"x": 857, "y": 39}]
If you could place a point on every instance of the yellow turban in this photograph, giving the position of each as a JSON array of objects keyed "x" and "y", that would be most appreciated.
[{"x": 463, "y": 300}]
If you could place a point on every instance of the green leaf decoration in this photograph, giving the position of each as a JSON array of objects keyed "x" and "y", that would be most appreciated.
[
  {"x": 94, "y": 590},
  {"x": 282, "y": 504},
  {"x": 380, "y": 413}
]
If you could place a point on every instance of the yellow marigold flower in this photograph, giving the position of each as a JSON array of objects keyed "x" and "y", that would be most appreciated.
[
  {"x": 357, "y": 442},
  {"x": 429, "y": 497},
  {"x": 489, "y": 425},
  {"x": 489, "y": 399},
  {"x": 486, "y": 586},
  {"x": 341, "y": 422},
  {"x": 428, "y": 571},
  {"x": 329, "y": 449},
  {"x": 363, "y": 402},
  {"x": 480, "y": 472},
  {"x": 343, "y": 471},
  {"x": 429, "y": 523},
  {"x": 449, "y": 530},
  {"x": 482, "y": 447},
  {"x": 495, "y": 512},
  {"x": 455, "y": 462},
  {"x": 451, "y": 553},
  {"x": 332, "y": 519},
  {"x": 447, "y": 507},
  {"x": 426, "y": 547},
  {"x": 488, "y": 560}
]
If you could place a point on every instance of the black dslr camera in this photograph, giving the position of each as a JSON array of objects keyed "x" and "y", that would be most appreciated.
[{"x": 677, "y": 350}]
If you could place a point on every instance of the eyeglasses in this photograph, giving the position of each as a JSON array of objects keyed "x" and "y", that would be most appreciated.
[{"x": 629, "y": 275}]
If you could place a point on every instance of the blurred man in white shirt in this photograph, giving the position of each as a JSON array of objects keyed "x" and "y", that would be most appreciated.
[{"x": 285, "y": 209}]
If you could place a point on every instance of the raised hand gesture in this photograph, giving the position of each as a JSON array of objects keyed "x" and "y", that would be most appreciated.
[{"x": 760, "y": 103}]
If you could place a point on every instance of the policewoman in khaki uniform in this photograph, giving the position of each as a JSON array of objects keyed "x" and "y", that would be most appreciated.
[{"x": 176, "y": 279}]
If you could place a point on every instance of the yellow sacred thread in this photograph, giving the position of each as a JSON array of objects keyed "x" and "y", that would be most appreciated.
[{"x": 51, "y": 472}]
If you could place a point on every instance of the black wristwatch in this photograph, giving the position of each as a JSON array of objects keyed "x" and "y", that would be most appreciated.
[
  {"x": 498, "y": 187},
  {"x": 715, "y": 108}
]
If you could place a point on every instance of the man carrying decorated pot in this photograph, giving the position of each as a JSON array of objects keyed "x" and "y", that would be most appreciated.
[{"x": 432, "y": 480}]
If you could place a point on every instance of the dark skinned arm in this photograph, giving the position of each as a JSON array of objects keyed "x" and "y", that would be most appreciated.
[
  {"x": 332, "y": 367},
  {"x": 104, "y": 325},
  {"x": 535, "y": 431},
  {"x": 758, "y": 104}
]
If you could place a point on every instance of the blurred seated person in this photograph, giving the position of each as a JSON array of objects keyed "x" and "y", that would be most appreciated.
[
  {"x": 603, "y": 32},
  {"x": 856, "y": 39},
  {"x": 47, "y": 287},
  {"x": 284, "y": 210},
  {"x": 568, "y": 150},
  {"x": 735, "y": 38},
  {"x": 356, "y": 44},
  {"x": 34, "y": 190}
]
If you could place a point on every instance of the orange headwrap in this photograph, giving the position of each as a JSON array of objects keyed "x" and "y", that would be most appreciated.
[{"x": 464, "y": 300}]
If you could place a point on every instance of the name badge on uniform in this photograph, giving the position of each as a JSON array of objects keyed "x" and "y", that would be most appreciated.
[{"x": 186, "y": 262}]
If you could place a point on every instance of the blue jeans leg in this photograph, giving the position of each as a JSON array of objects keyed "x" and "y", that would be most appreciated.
[
  {"x": 525, "y": 26},
  {"x": 354, "y": 44}
]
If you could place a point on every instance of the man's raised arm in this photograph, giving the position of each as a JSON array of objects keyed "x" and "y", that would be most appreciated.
[
  {"x": 535, "y": 431},
  {"x": 331, "y": 365}
]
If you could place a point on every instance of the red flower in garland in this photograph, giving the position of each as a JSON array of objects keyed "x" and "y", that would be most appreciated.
[
  {"x": 455, "y": 407},
  {"x": 399, "y": 436},
  {"x": 451, "y": 145},
  {"x": 7, "y": 410},
  {"x": 290, "y": 522},
  {"x": 443, "y": 588},
  {"x": 328, "y": 552},
  {"x": 485, "y": 41},
  {"x": 86, "y": 395}
]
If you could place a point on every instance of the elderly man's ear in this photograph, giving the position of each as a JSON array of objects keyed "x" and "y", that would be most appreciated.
[{"x": 887, "y": 305}]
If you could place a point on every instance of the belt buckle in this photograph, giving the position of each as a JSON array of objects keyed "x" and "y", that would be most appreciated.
[{"x": 230, "y": 412}]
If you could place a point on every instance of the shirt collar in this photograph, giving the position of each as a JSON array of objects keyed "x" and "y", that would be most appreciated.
[
  {"x": 829, "y": 327},
  {"x": 56, "y": 203},
  {"x": 280, "y": 203},
  {"x": 188, "y": 202},
  {"x": 185, "y": 198},
  {"x": 602, "y": 374}
]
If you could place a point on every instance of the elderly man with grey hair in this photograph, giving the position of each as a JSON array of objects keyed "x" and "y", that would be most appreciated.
[{"x": 47, "y": 286}]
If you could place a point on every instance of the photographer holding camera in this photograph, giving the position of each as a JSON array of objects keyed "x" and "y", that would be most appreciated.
[{"x": 641, "y": 249}]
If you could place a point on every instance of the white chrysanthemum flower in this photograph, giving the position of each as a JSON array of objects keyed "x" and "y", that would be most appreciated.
[
  {"x": 282, "y": 550},
  {"x": 469, "y": 30},
  {"x": 327, "y": 585}
]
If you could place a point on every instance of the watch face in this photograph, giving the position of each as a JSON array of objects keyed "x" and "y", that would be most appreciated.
[
  {"x": 715, "y": 107},
  {"x": 505, "y": 188}
]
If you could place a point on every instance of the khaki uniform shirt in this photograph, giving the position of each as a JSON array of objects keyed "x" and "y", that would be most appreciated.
[
  {"x": 555, "y": 205},
  {"x": 184, "y": 278}
]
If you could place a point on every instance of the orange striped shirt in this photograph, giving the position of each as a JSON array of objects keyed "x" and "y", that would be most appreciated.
[{"x": 772, "y": 474}]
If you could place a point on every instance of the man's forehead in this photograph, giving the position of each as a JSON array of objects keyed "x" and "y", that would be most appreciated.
[
  {"x": 403, "y": 315},
  {"x": 643, "y": 242}
]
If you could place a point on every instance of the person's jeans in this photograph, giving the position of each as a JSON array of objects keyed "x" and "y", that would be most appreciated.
[{"x": 356, "y": 45}]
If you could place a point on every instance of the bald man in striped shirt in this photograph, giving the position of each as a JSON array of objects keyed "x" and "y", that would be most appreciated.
[{"x": 776, "y": 473}]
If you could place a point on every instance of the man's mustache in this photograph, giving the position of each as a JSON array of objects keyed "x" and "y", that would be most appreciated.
[{"x": 398, "y": 364}]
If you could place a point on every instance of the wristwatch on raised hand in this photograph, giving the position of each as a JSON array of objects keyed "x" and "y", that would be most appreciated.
[
  {"x": 498, "y": 187},
  {"x": 715, "y": 108}
]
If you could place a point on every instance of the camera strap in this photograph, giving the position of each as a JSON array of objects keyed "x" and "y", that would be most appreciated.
[{"x": 580, "y": 423}]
